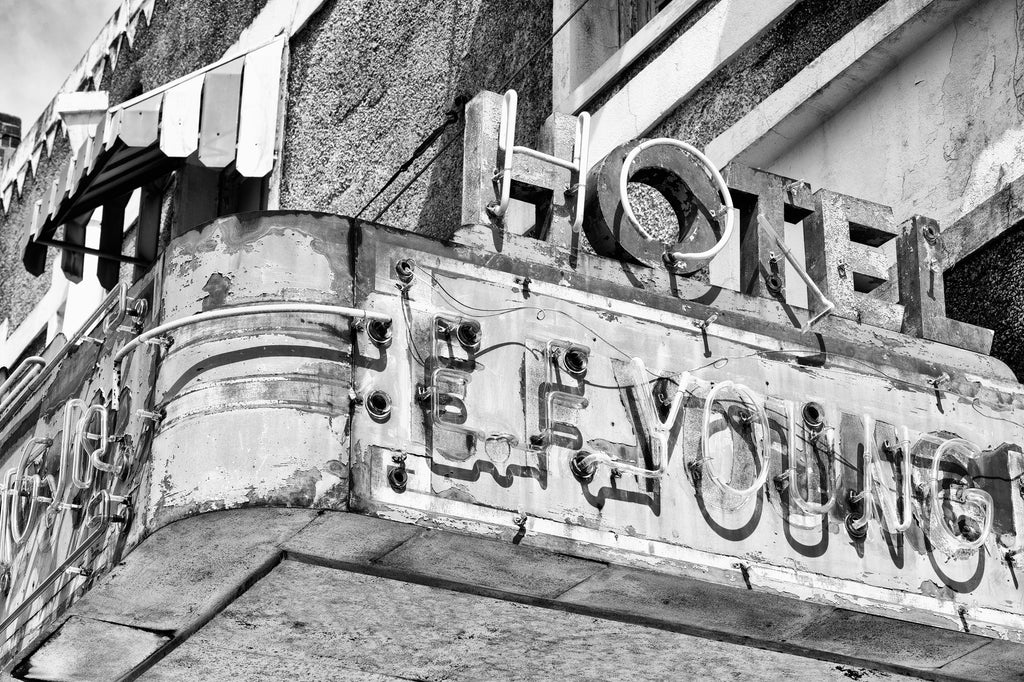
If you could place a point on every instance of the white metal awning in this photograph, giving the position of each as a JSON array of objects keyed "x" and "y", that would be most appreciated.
[{"x": 225, "y": 113}]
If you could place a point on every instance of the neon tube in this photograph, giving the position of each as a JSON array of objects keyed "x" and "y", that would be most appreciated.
[
  {"x": 627, "y": 209},
  {"x": 658, "y": 431},
  {"x": 508, "y": 149},
  {"x": 750, "y": 397},
  {"x": 873, "y": 476},
  {"x": 794, "y": 490},
  {"x": 980, "y": 497},
  {"x": 238, "y": 311}
]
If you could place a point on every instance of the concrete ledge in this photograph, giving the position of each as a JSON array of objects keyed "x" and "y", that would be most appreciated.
[{"x": 176, "y": 583}]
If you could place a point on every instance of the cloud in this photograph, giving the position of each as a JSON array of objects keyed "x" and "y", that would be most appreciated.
[{"x": 40, "y": 42}]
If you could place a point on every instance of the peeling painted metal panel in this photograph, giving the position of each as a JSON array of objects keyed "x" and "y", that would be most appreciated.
[
  {"x": 257, "y": 408},
  {"x": 501, "y": 474}
]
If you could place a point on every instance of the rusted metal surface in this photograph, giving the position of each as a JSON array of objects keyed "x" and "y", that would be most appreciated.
[
  {"x": 520, "y": 393},
  {"x": 256, "y": 408},
  {"x": 483, "y": 460},
  {"x": 922, "y": 289}
]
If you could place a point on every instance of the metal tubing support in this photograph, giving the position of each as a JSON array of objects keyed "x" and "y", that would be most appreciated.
[
  {"x": 828, "y": 306},
  {"x": 118, "y": 295},
  {"x": 20, "y": 379},
  {"x": 86, "y": 545},
  {"x": 239, "y": 311}
]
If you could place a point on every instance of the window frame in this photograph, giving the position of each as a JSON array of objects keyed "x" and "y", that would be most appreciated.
[{"x": 572, "y": 100}]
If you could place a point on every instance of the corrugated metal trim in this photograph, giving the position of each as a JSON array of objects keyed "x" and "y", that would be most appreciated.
[
  {"x": 125, "y": 19},
  {"x": 143, "y": 137}
]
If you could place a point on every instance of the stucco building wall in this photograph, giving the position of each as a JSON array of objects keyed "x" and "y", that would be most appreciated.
[
  {"x": 369, "y": 81},
  {"x": 937, "y": 135}
]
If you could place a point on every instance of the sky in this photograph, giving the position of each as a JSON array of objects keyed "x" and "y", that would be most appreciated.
[{"x": 40, "y": 42}]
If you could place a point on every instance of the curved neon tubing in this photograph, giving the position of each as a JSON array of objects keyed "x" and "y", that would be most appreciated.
[
  {"x": 660, "y": 430},
  {"x": 750, "y": 397},
  {"x": 237, "y": 311},
  {"x": 20, "y": 378},
  {"x": 872, "y": 476},
  {"x": 837, "y": 478},
  {"x": 19, "y": 532},
  {"x": 723, "y": 189},
  {"x": 6, "y": 502},
  {"x": 982, "y": 498},
  {"x": 508, "y": 149},
  {"x": 96, "y": 456}
]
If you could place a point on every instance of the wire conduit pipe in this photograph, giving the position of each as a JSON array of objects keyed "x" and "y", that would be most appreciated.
[{"x": 240, "y": 311}]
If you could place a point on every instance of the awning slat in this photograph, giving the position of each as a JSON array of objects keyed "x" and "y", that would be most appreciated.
[
  {"x": 179, "y": 128},
  {"x": 226, "y": 112},
  {"x": 218, "y": 125},
  {"x": 95, "y": 145},
  {"x": 257, "y": 127},
  {"x": 79, "y": 168},
  {"x": 59, "y": 186},
  {"x": 140, "y": 123}
]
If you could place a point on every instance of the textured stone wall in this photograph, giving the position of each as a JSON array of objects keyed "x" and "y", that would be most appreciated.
[
  {"x": 761, "y": 69},
  {"x": 369, "y": 80},
  {"x": 987, "y": 289}
]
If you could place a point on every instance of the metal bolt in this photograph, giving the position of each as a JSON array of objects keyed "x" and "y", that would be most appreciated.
[
  {"x": 704, "y": 324},
  {"x": 379, "y": 332},
  {"x": 151, "y": 416},
  {"x": 378, "y": 405}
]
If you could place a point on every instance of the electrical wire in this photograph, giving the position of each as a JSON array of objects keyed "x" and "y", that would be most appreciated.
[
  {"x": 454, "y": 115},
  {"x": 717, "y": 363},
  {"x": 447, "y": 145}
]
